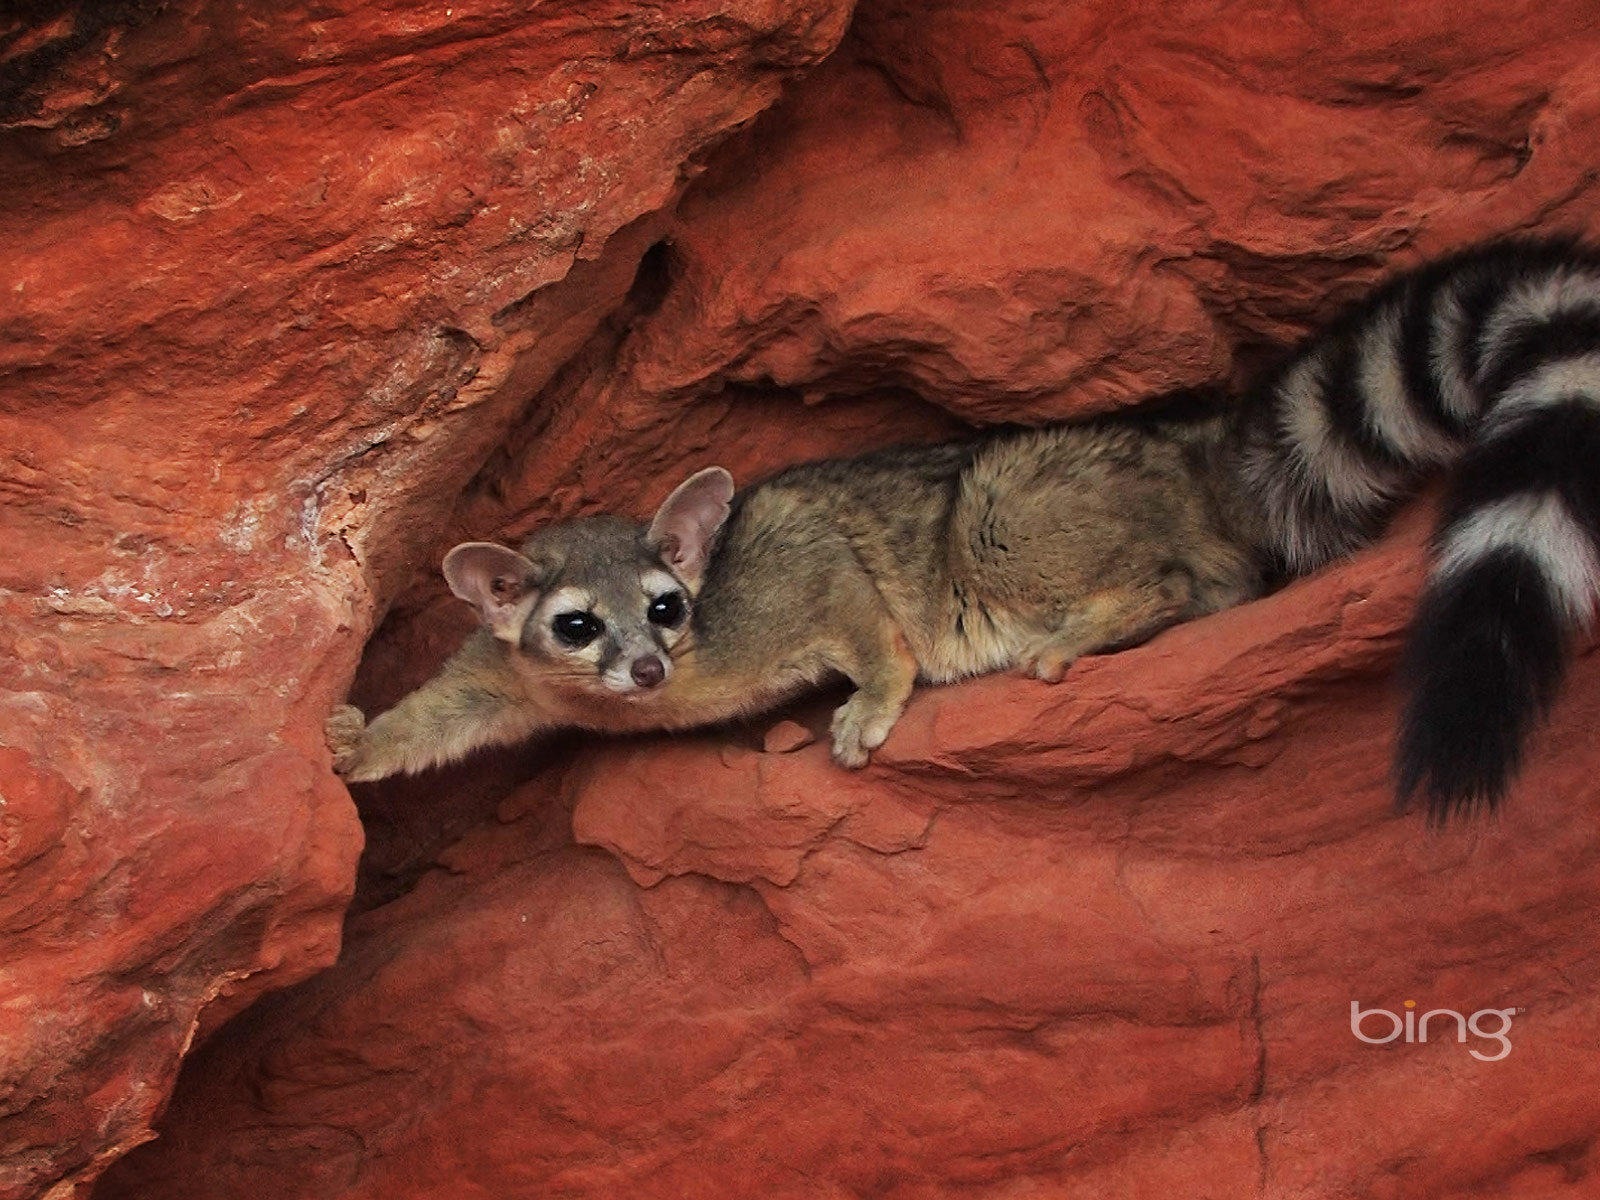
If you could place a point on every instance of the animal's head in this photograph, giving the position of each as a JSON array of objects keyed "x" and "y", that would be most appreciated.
[{"x": 597, "y": 605}]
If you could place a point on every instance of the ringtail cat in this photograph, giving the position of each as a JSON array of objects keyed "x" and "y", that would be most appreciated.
[
  {"x": 933, "y": 562},
  {"x": 1028, "y": 549}
]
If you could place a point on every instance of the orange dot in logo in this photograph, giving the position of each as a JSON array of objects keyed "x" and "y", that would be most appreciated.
[{"x": 1411, "y": 1003}]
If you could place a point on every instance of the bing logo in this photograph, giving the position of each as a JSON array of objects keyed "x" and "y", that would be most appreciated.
[{"x": 1488, "y": 1024}]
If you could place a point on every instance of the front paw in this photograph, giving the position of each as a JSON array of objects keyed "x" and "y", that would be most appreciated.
[
  {"x": 1046, "y": 660},
  {"x": 860, "y": 726},
  {"x": 345, "y": 730}
]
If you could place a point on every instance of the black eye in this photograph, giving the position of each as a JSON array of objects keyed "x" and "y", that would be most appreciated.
[
  {"x": 668, "y": 609},
  {"x": 576, "y": 629}
]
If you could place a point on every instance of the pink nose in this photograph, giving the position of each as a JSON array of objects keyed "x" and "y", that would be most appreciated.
[{"x": 647, "y": 672}]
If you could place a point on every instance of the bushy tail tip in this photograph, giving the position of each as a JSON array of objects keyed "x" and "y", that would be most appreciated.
[{"x": 1486, "y": 657}]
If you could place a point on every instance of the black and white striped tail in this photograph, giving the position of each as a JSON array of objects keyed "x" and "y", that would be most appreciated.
[{"x": 1490, "y": 361}]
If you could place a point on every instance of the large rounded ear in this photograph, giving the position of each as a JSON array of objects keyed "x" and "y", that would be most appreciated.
[
  {"x": 687, "y": 523},
  {"x": 501, "y": 584}
]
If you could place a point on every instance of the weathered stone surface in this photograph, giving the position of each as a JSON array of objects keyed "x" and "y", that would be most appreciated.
[
  {"x": 279, "y": 283},
  {"x": 1093, "y": 940},
  {"x": 1025, "y": 210},
  {"x": 276, "y": 280}
]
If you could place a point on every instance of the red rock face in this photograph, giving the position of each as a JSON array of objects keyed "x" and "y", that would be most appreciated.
[
  {"x": 296, "y": 297},
  {"x": 1092, "y": 940},
  {"x": 276, "y": 280}
]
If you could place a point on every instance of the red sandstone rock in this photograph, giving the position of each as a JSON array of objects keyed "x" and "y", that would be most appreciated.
[
  {"x": 1024, "y": 210},
  {"x": 276, "y": 280},
  {"x": 786, "y": 737},
  {"x": 295, "y": 298},
  {"x": 1093, "y": 940}
]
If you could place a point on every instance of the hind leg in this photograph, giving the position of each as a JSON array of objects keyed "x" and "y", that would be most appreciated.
[{"x": 1108, "y": 620}]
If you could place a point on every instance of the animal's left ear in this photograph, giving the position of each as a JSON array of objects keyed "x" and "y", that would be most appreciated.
[{"x": 687, "y": 523}]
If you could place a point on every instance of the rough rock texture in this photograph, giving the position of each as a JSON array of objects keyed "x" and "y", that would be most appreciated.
[
  {"x": 276, "y": 278},
  {"x": 1093, "y": 940},
  {"x": 295, "y": 295}
]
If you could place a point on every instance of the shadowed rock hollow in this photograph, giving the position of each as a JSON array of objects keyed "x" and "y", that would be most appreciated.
[{"x": 296, "y": 296}]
